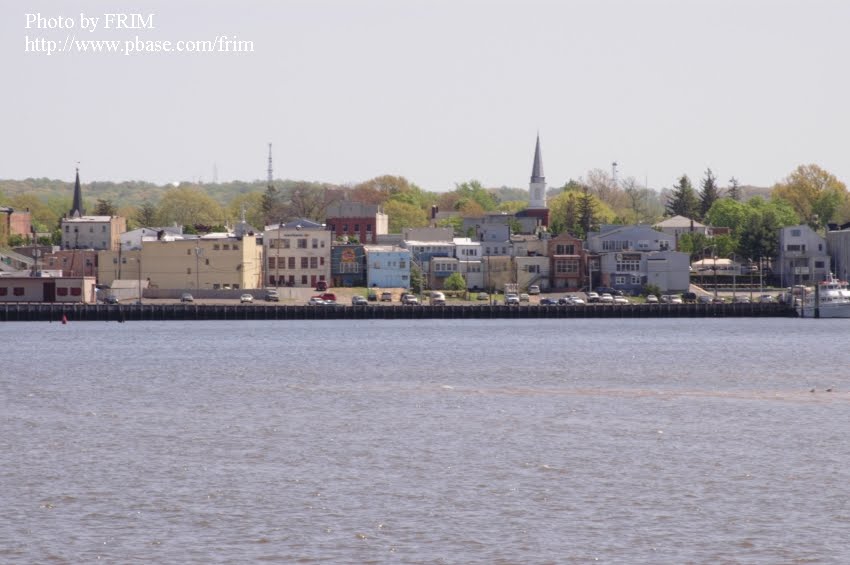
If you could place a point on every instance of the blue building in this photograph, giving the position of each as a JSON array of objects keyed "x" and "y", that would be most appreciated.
[
  {"x": 387, "y": 266},
  {"x": 348, "y": 265}
]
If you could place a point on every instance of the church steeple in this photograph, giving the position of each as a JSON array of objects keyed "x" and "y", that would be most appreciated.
[
  {"x": 77, "y": 207},
  {"x": 537, "y": 167},
  {"x": 537, "y": 186}
]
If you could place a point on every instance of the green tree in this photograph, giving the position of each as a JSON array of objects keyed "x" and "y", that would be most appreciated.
[
  {"x": 709, "y": 193},
  {"x": 270, "y": 206},
  {"x": 734, "y": 191},
  {"x": 726, "y": 213},
  {"x": 416, "y": 281},
  {"x": 187, "y": 205},
  {"x": 586, "y": 213},
  {"x": 403, "y": 215},
  {"x": 815, "y": 194},
  {"x": 145, "y": 215},
  {"x": 694, "y": 243},
  {"x": 454, "y": 281},
  {"x": 104, "y": 208},
  {"x": 683, "y": 201}
]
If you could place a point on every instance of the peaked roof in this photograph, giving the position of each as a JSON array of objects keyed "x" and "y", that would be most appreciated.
[
  {"x": 77, "y": 207},
  {"x": 679, "y": 222},
  {"x": 537, "y": 167}
]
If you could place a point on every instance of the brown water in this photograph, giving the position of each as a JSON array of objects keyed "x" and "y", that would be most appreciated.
[{"x": 427, "y": 441}]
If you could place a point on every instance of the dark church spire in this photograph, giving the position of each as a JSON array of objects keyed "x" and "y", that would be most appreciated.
[
  {"x": 537, "y": 168},
  {"x": 77, "y": 208}
]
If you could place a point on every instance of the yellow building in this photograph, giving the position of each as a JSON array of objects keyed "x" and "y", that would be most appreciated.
[
  {"x": 297, "y": 253},
  {"x": 210, "y": 262}
]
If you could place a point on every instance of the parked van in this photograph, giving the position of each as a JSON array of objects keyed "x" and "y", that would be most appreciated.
[{"x": 438, "y": 299}]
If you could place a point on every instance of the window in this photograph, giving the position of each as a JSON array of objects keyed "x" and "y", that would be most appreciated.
[
  {"x": 796, "y": 233},
  {"x": 620, "y": 279},
  {"x": 76, "y": 291},
  {"x": 794, "y": 247},
  {"x": 66, "y": 228},
  {"x": 236, "y": 247},
  {"x": 303, "y": 279},
  {"x": 349, "y": 267},
  {"x": 302, "y": 243},
  {"x": 188, "y": 270},
  {"x": 226, "y": 247},
  {"x": 188, "y": 252},
  {"x": 103, "y": 228},
  {"x": 315, "y": 243},
  {"x": 4, "y": 291},
  {"x": 322, "y": 244},
  {"x": 304, "y": 262},
  {"x": 291, "y": 262},
  {"x": 18, "y": 291},
  {"x": 628, "y": 265},
  {"x": 636, "y": 279},
  {"x": 356, "y": 228},
  {"x": 566, "y": 266},
  {"x": 206, "y": 261},
  {"x": 272, "y": 263},
  {"x": 533, "y": 268},
  {"x": 402, "y": 264},
  {"x": 344, "y": 228},
  {"x": 314, "y": 262},
  {"x": 215, "y": 247},
  {"x": 819, "y": 264},
  {"x": 91, "y": 229},
  {"x": 285, "y": 244},
  {"x": 62, "y": 291},
  {"x": 565, "y": 249},
  {"x": 368, "y": 228}
]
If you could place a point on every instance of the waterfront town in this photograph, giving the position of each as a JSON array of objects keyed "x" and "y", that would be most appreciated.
[{"x": 351, "y": 247}]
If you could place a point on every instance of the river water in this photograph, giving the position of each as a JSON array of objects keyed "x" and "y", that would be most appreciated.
[{"x": 426, "y": 441}]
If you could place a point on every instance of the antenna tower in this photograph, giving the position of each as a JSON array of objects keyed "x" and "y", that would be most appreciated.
[{"x": 271, "y": 173}]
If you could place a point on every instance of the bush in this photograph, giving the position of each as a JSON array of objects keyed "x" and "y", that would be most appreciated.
[{"x": 650, "y": 289}]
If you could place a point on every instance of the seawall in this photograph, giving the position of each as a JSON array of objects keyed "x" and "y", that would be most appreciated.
[{"x": 149, "y": 312}]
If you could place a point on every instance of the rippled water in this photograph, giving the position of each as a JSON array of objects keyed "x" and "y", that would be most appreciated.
[{"x": 427, "y": 441}]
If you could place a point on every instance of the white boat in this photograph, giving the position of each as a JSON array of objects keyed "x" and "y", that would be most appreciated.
[{"x": 833, "y": 300}]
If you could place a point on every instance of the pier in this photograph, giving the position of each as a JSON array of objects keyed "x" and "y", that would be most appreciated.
[{"x": 32, "y": 312}]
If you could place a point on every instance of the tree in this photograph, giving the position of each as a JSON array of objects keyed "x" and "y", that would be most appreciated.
[
  {"x": 586, "y": 213},
  {"x": 403, "y": 215},
  {"x": 734, "y": 191},
  {"x": 709, "y": 193},
  {"x": 683, "y": 201},
  {"x": 252, "y": 203},
  {"x": 104, "y": 208},
  {"x": 727, "y": 213},
  {"x": 146, "y": 215},
  {"x": 270, "y": 206},
  {"x": 187, "y": 205},
  {"x": 455, "y": 281},
  {"x": 815, "y": 194},
  {"x": 694, "y": 243},
  {"x": 416, "y": 281}
]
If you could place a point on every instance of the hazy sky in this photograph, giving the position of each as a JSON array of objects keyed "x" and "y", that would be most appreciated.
[{"x": 437, "y": 91}]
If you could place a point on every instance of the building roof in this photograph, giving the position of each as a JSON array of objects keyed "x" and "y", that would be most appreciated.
[
  {"x": 88, "y": 219},
  {"x": 679, "y": 222}
]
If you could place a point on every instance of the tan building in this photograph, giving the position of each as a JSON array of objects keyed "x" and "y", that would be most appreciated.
[
  {"x": 92, "y": 232},
  {"x": 79, "y": 290},
  {"x": 210, "y": 262},
  {"x": 297, "y": 253}
]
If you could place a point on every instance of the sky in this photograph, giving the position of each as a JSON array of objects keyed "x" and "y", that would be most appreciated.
[{"x": 440, "y": 91}]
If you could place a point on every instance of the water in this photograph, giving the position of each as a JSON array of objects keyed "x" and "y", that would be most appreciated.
[{"x": 426, "y": 441}]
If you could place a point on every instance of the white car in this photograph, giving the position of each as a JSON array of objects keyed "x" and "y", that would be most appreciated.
[
  {"x": 523, "y": 297},
  {"x": 246, "y": 298},
  {"x": 621, "y": 300},
  {"x": 316, "y": 301},
  {"x": 652, "y": 299},
  {"x": 592, "y": 297},
  {"x": 534, "y": 289},
  {"x": 577, "y": 301},
  {"x": 606, "y": 298},
  {"x": 511, "y": 299}
]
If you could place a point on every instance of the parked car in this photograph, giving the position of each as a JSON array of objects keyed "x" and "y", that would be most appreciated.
[
  {"x": 704, "y": 299},
  {"x": 110, "y": 300},
  {"x": 621, "y": 300},
  {"x": 315, "y": 301},
  {"x": 328, "y": 297},
  {"x": 766, "y": 298},
  {"x": 592, "y": 297},
  {"x": 676, "y": 300},
  {"x": 372, "y": 296},
  {"x": 246, "y": 299},
  {"x": 483, "y": 296},
  {"x": 322, "y": 286},
  {"x": 606, "y": 298},
  {"x": 546, "y": 301},
  {"x": 651, "y": 299},
  {"x": 438, "y": 299},
  {"x": 740, "y": 299},
  {"x": 577, "y": 301},
  {"x": 272, "y": 296},
  {"x": 689, "y": 297},
  {"x": 534, "y": 289},
  {"x": 409, "y": 300},
  {"x": 511, "y": 299},
  {"x": 358, "y": 300},
  {"x": 386, "y": 297},
  {"x": 523, "y": 297},
  {"x": 186, "y": 297},
  {"x": 608, "y": 290}
]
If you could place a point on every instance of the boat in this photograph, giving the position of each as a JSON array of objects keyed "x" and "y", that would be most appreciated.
[{"x": 833, "y": 300}]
